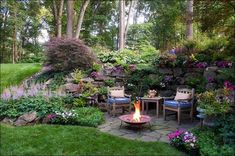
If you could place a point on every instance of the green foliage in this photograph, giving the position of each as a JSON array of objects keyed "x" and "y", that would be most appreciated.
[
  {"x": 214, "y": 103},
  {"x": 109, "y": 82},
  {"x": 10, "y": 77},
  {"x": 57, "y": 81},
  {"x": 211, "y": 144},
  {"x": 89, "y": 90},
  {"x": 79, "y": 102},
  {"x": 40, "y": 104},
  {"x": 196, "y": 81},
  {"x": 144, "y": 78},
  {"x": 69, "y": 138},
  {"x": 77, "y": 75},
  {"x": 89, "y": 116},
  {"x": 103, "y": 90},
  {"x": 96, "y": 67},
  {"x": 225, "y": 125},
  {"x": 225, "y": 74}
]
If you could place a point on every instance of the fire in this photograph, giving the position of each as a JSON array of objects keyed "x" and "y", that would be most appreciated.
[{"x": 136, "y": 115}]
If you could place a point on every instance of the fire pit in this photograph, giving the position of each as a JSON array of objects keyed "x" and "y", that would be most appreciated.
[
  {"x": 129, "y": 119},
  {"x": 135, "y": 119}
]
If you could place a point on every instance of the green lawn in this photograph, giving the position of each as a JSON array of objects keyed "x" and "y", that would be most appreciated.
[
  {"x": 13, "y": 74},
  {"x": 73, "y": 140}
]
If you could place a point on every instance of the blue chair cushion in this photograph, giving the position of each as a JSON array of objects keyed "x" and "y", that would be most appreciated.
[
  {"x": 175, "y": 104},
  {"x": 119, "y": 100}
]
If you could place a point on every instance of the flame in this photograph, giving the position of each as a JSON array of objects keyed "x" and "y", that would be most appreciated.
[{"x": 136, "y": 115}]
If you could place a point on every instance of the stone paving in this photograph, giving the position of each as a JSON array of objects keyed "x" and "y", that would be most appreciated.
[{"x": 157, "y": 130}]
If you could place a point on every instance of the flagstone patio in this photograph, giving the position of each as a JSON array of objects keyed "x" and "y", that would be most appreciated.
[{"x": 156, "y": 132}]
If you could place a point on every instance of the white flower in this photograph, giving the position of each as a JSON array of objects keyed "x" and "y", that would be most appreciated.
[{"x": 192, "y": 145}]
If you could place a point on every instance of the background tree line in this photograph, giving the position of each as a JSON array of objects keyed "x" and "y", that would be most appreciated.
[{"x": 114, "y": 24}]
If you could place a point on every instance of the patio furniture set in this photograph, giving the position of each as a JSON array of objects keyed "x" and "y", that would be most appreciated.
[{"x": 182, "y": 102}]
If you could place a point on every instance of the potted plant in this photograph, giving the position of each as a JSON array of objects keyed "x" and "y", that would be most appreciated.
[{"x": 212, "y": 104}]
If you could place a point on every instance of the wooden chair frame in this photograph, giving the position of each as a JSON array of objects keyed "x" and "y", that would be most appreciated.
[
  {"x": 111, "y": 108},
  {"x": 178, "y": 110}
]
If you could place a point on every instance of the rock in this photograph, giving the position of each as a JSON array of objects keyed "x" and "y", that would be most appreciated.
[
  {"x": 165, "y": 71},
  {"x": 72, "y": 88},
  {"x": 7, "y": 121},
  {"x": 98, "y": 84},
  {"x": 26, "y": 118},
  {"x": 211, "y": 86},
  {"x": 214, "y": 69},
  {"x": 210, "y": 73},
  {"x": 87, "y": 79},
  {"x": 180, "y": 80},
  {"x": 166, "y": 93},
  {"x": 177, "y": 72}
]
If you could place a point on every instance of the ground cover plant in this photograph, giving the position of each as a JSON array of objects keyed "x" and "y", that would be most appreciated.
[
  {"x": 14, "y": 74},
  {"x": 73, "y": 140}
]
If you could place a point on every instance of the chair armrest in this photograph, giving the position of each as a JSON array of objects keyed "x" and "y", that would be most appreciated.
[{"x": 126, "y": 95}]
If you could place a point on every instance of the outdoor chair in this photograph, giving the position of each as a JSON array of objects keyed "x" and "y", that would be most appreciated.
[
  {"x": 183, "y": 102},
  {"x": 118, "y": 99}
]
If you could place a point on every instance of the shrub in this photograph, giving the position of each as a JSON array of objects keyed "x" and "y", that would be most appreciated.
[
  {"x": 79, "y": 102},
  {"x": 68, "y": 54},
  {"x": 77, "y": 75},
  {"x": 211, "y": 144},
  {"x": 85, "y": 116},
  {"x": 109, "y": 82},
  {"x": 214, "y": 102}
]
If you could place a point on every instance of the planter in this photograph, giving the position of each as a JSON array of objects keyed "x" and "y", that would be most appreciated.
[{"x": 209, "y": 121}]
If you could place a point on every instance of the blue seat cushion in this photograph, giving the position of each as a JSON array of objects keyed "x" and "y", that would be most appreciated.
[
  {"x": 175, "y": 104},
  {"x": 119, "y": 100}
]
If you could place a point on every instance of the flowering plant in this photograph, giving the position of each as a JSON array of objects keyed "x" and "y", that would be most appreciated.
[{"x": 183, "y": 139}]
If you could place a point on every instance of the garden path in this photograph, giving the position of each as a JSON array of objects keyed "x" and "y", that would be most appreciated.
[{"x": 157, "y": 132}]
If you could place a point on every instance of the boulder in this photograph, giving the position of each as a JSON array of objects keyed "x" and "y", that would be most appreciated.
[
  {"x": 210, "y": 73},
  {"x": 8, "y": 121},
  {"x": 26, "y": 118},
  {"x": 177, "y": 72},
  {"x": 211, "y": 86},
  {"x": 72, "y": 88},
  {"x": 165, "y": 71}
]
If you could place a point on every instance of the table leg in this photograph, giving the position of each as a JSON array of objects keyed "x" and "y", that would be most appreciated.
[
  {"x": 147, "y": 107},
  {"x": 157, "y": 109},
  {"x": 142, "y": 108}
]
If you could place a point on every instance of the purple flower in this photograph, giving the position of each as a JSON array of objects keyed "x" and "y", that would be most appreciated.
[
  {"x": 117, "y": 69},
  {"x": 168, "y": 78},
  {"x": 223, "y": 64},
  {"x": 6, "y": 95},
  {"x": 18, "y": 93},
  {"x": 201, "y": 65},
  {"x": 94, "y": 74},
  {"x": 228, "y": 85},
  {"x": 33, "y": 91},
  {"x": 51, "y": 116},
  {"x": 210, "y": 79}
]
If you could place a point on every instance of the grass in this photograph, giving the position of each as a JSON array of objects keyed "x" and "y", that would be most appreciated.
[
  {"x": 14, "y": 74},
  {"x": 73, "y": 140}
]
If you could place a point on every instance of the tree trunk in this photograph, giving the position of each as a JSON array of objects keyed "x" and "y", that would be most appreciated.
[
  {"x": 55, "y": 14},
  {"x": 81, "y": 16},
  {"x": 70, "y": 4},
  {"x": 132, "y": 3},
  {"x": 121, "y": 23},
  {"x": 189, "y": 20},
  {"x": 58, "y": 22},
  {"x": 14, "y": 44}
]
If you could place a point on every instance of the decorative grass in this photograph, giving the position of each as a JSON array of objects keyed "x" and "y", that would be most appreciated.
[
  {"x": 13, "y": 74},
  {"x": 73, "y": 140}
]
